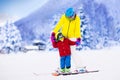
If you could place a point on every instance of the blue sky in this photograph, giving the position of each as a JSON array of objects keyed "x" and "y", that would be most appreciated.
[{"x": 19, "y": 8}]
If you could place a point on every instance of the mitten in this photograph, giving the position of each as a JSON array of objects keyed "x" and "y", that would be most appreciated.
[
  {"x": 78, "y": 41},
  {"x": 53, "y": 37}
]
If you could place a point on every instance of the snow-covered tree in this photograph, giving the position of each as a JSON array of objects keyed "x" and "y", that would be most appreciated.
[
  {"x": 97, "y": 26},
  {"x": 2, "y": 37},
  {"x": 12, "y": 37},
  {"x": 54, "y": 21},
  {"x": 86, "y": 31}
]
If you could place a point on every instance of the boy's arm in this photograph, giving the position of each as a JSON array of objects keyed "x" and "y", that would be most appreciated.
[
  {"x": 74, "y": 42},
  {"x": 71, "y": 42},
  {"x": 54, "y": 44}
]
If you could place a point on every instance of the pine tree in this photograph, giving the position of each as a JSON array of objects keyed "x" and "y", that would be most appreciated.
[
  {"x": 55, "y": 20},
  {"x": 12, "y": 37},
  {"x": 86, "y": 31},
  {"x": 2, "y": 37}
]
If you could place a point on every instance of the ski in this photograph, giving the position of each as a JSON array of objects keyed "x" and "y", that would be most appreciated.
[{"x": 73, "y": 73}]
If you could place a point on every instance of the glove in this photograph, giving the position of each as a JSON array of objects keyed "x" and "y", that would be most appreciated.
[
  {"x": 78, "y": 41},
  {"x": 53, "y": 34},
  {"x": 53, "y": 37}
]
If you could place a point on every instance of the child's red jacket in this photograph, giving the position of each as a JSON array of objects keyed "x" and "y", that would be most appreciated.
[{"x": 63, "y": 46}]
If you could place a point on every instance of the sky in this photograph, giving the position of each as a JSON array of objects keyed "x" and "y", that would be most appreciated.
[{"x": 18, "y": 8}]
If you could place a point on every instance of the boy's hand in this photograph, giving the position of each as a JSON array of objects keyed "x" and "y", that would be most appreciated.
[
  {"x": 78, "y": 41},
  {"x": 53, "y": 34},
  {"x": 53, "y": 37}
]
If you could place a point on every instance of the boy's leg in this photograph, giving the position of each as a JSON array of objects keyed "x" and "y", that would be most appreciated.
[
  {"x": 68, "y": 63},
  {"x": 62, "y": 63}
]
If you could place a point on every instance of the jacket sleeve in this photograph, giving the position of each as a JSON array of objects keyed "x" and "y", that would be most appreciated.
[
  {"x": 71, "y": 42},
  {"x": 77, "y": 27},
  {"x": 54, "y": 44},
  {"x": 59, "y": 25}
]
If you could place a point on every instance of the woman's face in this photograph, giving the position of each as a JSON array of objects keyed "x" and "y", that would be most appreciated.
[{"x": 71, "y": 17}]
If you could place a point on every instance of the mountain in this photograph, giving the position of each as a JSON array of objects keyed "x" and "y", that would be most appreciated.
[
  {"x": 37, "y": 24},
  {"x": 38, "y": 21}
]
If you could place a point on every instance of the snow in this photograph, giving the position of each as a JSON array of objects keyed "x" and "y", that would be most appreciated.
[{"x": 22, "y": 66}]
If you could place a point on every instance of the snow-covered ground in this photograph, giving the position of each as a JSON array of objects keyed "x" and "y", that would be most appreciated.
[{"x": 22, "y": 66}]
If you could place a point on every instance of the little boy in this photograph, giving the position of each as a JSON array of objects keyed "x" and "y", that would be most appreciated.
[{"x": 63, "y": 45}]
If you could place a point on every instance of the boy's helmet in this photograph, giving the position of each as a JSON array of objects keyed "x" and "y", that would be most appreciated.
[{"x": 59, "y": 36}]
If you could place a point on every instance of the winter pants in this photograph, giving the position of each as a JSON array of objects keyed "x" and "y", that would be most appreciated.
[{"x": 65, "y": 62}]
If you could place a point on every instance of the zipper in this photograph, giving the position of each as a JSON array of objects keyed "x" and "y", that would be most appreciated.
[{"x": 68, "y": 28}]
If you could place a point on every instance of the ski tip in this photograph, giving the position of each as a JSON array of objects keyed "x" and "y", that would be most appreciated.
[{"x": 55, "y": 74}]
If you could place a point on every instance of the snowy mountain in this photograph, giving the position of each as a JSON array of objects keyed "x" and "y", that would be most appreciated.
[
  {"x": 38, "y": 22},
  {"x": 102, "y": 27}
]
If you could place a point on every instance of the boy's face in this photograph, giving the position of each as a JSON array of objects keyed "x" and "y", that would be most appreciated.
[{"x": 61, "y": 37}]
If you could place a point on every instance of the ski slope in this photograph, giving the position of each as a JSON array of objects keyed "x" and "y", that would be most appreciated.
[{"x": 22, "y": 66}]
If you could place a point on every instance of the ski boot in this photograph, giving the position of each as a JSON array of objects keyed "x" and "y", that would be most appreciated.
[
  {"x": 67, "y": 70},
  {"x": 62, "y": 70}
]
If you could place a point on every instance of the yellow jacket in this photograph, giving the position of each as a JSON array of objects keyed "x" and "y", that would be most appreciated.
[{"x": 70, "y": 29}]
